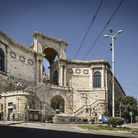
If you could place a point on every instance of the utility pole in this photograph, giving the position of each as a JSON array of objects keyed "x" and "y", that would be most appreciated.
[{"x": 112, "y": 44}]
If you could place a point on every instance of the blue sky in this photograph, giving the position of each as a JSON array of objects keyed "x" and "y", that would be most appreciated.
[{"x": 69, "y": 20}]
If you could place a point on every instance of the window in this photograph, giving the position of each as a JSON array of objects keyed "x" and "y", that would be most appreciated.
[
  {"x": 10, "y": 104},
  {"x": 97, "y": 80},
  {"x": 55, "y": 78},
  {"x": 2, "y": 60}
]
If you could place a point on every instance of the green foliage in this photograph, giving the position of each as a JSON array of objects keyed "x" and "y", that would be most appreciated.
[
  {"x": 46, "y": 78},
  {"x": 92, "y": 121},
  {"x": 128, "y": 104},
  {"x": 93, "y": 127},
  {"x": 114, "y": 121},
  {"x": 136, "y": 118}
]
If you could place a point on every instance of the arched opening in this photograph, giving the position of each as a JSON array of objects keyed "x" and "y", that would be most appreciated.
[
  {"x": 57, "y": 103},
  {"x": 55, "y": 78},
  {"x": 50, "y": 54},
  {"x": 2, "y": 58},
  {"x": 97, "y": 80}
]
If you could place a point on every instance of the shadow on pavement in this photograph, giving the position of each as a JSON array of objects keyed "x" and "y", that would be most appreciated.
[{"x": 21, "y": 132}]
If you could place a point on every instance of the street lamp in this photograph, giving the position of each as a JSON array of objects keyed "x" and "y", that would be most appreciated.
[
  {"x": 18, "y": 108},
  {"x": 120, "y": 104},
  {"x": 112, "y": 44}
]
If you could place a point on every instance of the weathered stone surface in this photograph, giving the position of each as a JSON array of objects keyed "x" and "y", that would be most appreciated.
[{"x": 71, "y": 89}]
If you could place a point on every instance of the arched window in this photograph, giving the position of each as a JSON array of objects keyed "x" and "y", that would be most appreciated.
[
  {"x": 97, "y": 80},
  {"x": 2, "y": 57},
  {"x": 55, "y": 78}
]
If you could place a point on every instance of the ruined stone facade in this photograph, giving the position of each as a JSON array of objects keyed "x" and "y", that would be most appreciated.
[{"x": 77, "y": 88}]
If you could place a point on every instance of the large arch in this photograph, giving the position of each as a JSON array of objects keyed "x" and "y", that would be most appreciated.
[
  {"x": 2, "y": 60},
  {"x": 50, "y": 54},
  {"x": 57, "y": 102}
]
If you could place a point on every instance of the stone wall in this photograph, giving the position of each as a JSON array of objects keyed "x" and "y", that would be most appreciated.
[
  {"x": 75, "y": 88},
  {"x": 20, "y": 61}
]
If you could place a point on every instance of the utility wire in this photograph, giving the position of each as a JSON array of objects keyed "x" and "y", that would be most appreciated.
[
  {"x": 129, "y": 84},
  {"x": 103, "y": 29},
  {"x": 88, "y": 29},
  {"x": 130, "y": 90}
]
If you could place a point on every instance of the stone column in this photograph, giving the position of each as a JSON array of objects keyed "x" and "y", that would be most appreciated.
[
  {"x": 4, "y": 108},
  {"x": 41, "y": 70},
  {"x": 60, "y": 75},
  {"x": 106, "y": 87},
  {"x": 51, "y": 75},
  {"x": 64, "y": 76},
  {"x": 91, "y": 78},
  {"x": 35, "y": 44},
  {"x": 40, "y": 67},
  {"x": 6, "y": 59},
  {"x": 106, "y": 78},
  {"x": 102, "y": 79}
]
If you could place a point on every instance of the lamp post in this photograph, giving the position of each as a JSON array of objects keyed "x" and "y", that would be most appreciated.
[
  {"x": 19, "y": 86},
  {"x": 112, "y": 44},
  {"x": 18, "y": 108},
  {"x": 120, "y": 104}
]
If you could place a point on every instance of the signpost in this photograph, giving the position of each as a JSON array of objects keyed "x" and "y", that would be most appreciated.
[
  {"x": 14, "y": 106},
  {"x": 131, "y": 113},
  {"x": 95, "y": 117}
]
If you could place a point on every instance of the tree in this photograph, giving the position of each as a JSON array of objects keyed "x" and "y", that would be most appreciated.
[
  {"x": 128, "y": 104},
  {"x": 46, "y": 78}
]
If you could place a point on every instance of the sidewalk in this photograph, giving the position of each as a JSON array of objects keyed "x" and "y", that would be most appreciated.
[
  {"x": 6, "y": 123},
  {"x": 134, "y": 125}
]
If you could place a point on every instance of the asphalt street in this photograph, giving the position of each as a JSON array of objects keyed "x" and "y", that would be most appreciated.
[
  {"x": 43, "y": 130},
  {"x": 21, "y": 132}
]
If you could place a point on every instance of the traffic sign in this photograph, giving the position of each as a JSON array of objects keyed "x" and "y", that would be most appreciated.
[
  {"x": 131, "y": 113},
  {"x": 14, "y": 106},
  {"x": 105, "y": 118}
]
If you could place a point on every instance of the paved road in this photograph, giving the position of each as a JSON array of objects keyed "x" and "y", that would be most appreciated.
[{"x": 43, "y": 130}]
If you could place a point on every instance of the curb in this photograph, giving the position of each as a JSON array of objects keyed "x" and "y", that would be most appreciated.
[{"x": 12, "y": 123}]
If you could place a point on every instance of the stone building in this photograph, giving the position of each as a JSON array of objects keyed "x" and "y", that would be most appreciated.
[{"x": 77, "y": 88}]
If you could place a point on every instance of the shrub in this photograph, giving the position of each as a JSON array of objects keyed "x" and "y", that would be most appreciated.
[
  {"x": 92, "y": 121},
  {"x": 114, "y": 121}
]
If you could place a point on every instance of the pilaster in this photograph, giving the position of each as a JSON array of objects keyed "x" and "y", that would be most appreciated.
[
  {"x": 60, "y": 75},
  {"x": 64, "y": 76},
  {"x": 91, "y": 78},
  {"x": 102, "y": 79}
]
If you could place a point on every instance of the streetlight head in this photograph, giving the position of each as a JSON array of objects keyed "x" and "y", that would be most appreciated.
[
  {"x": 105, "y": 36},
  {"x": 114, "y": 37},
  {"x": 120, "y": 31},
  {"x": 111, "y": 31}
]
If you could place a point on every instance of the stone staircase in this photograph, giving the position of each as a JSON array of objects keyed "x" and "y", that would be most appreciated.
[
  {"x": 39, "y": 92},
  {"x": 9, "y": 82},
  {"x": 91, "y": 106},
  {"x": 49, "y": 110}
]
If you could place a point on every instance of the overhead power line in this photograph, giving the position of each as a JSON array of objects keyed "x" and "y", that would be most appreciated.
[
  {"x": 130, "y": 90},
  {"x": 129, "y": 84},
  {"x": 88, "y": 29},
  {"x": 103, "y": 29}
]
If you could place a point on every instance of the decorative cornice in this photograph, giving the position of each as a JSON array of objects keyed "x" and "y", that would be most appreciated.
[
  {"x": 85, "y": 62},
  {"x": 36, "y": 33},
  {"x": 12, "y": 42}
]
